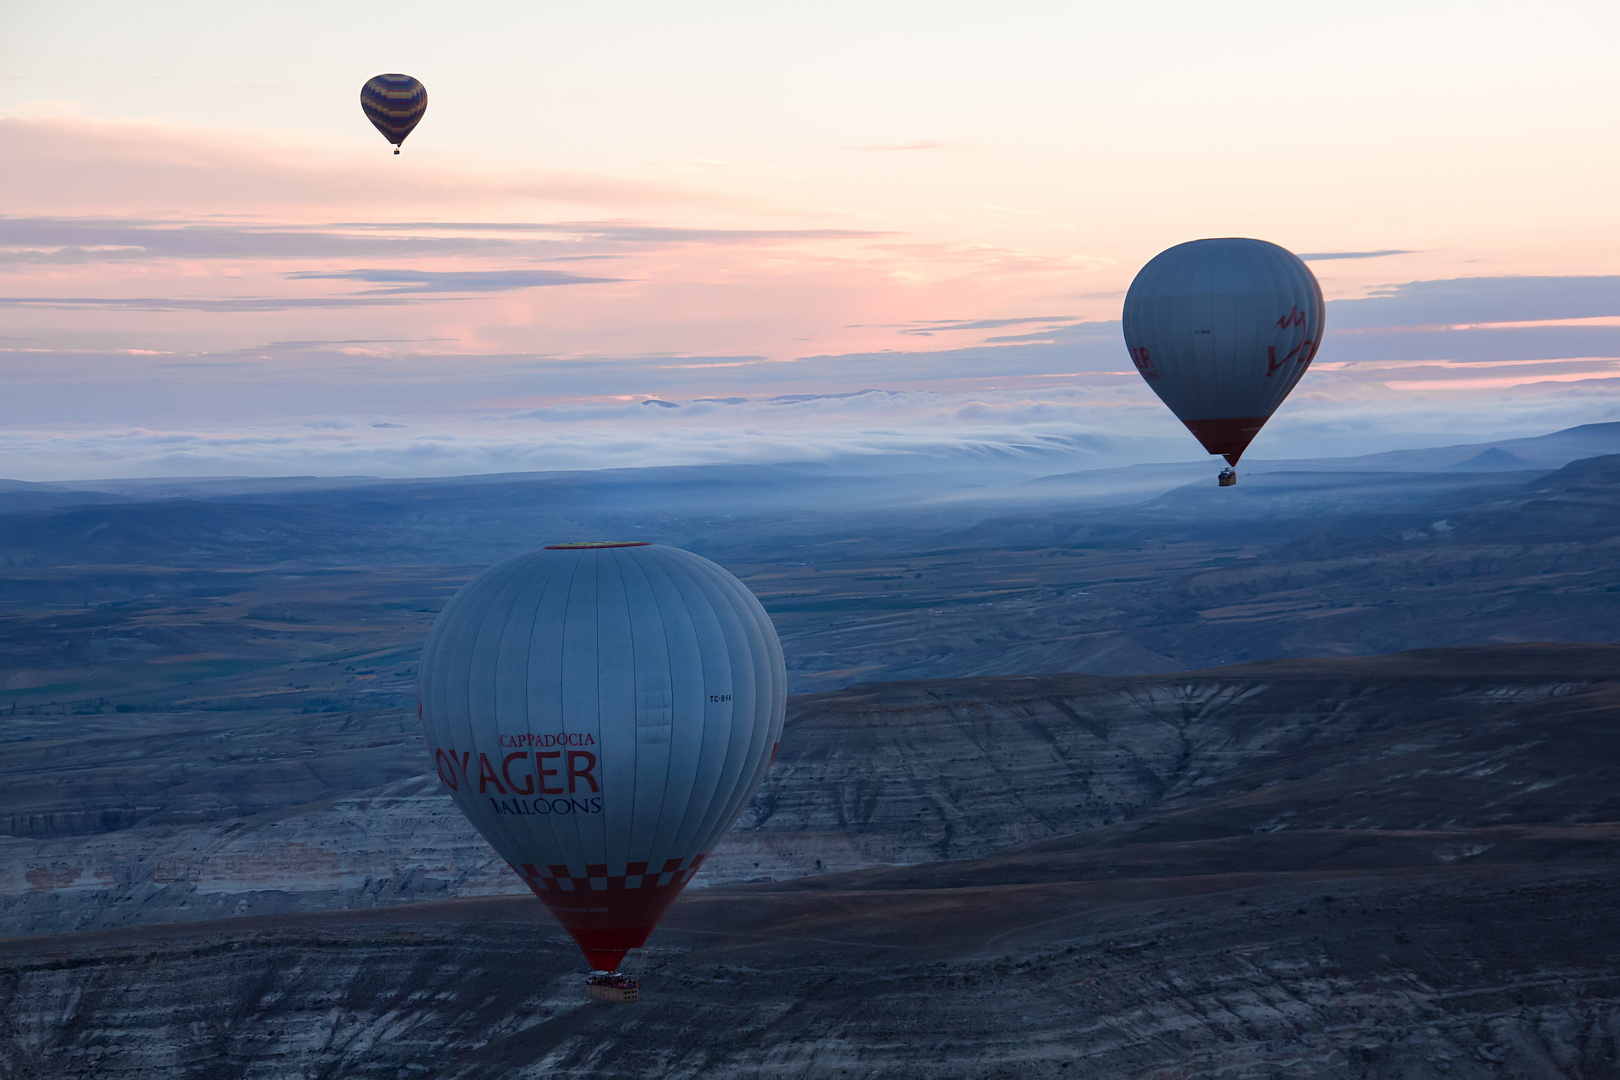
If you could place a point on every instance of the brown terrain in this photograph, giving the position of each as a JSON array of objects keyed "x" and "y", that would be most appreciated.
[
  {"x": 221, "y": 854},
  {"x": 1392, "y": 866}
]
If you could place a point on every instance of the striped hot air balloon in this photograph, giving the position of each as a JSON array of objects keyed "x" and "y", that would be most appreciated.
[
  {"x": 1222, "y": 330},
  {"x": 394, "y": 104},
  {"x": 602, "y": 713}
]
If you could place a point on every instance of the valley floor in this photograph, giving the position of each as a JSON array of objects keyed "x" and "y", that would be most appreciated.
[{"x": 1400, "y": 866}]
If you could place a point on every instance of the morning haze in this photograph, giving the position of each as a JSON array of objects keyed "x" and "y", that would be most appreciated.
[{"x": 1088, "y": 766}]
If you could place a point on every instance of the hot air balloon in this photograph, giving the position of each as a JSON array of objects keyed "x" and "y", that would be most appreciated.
[
  {"x": 394, "y": 104},
  {"x": 602, "y": 712},
  {"x": 1222, "y": 330}
]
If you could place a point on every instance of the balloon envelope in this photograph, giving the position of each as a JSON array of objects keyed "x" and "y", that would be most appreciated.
[
  {"x": 394, "y": 104},
  {"x": 602, "y": 714},
  {"x": 1222, "y": 330}
]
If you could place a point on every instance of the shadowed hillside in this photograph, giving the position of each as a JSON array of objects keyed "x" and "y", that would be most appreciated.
[
  {"x": 1392, "y": 867},
  {"x": 102, "y": 602},
  {"x": 221, "y": 853}
]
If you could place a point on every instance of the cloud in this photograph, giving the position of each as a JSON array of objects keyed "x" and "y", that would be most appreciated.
[
  {"x": 1097, "y": 347},
  {"x": 1052, "y": 429},
  {"x": 1109, "y": 333},
  {"x": 69, "y": 241},
  {"x": 894, "y": 411},
  {"x": 1064, "y": 446},
  {"x": 800, "y": 399},
  {"x": 34, "y": 241},
  {"x": 928, "y": 327},
  {"x": 340, "y": 343},
  {"x": 233, "y": 304},
  {"x": 468, "y": 409},
  {"x": 1452, "y": 301},
  {"x": 1484, "y": 344},
  {"x": 1323, "y": 256},
  {"x": 428, "y": 281},
  {"x": 629, "y": 231},
  {"x": 1449, "y": 375},
  {"x": 135, "y": 415}
]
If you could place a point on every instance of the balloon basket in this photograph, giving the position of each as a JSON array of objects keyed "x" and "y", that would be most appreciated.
[
  {"x": 1227, "y": 478},
  {"x": 609, "y": 987}
]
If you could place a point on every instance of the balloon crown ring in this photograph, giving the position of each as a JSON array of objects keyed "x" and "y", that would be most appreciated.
[{"x": 596, "y": 544}]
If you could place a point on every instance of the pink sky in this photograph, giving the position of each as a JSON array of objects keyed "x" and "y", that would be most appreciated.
[{"x": 204, "y": 245}]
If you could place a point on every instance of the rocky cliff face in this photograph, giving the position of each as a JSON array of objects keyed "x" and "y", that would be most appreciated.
[
  {"x": 953, "y": 769},
  {"x": 153, "y": 817},
  {"x": 1389, "y": 867},
  {"x": 261, "y": 815},
  {"x": 1387, "y": 976}
]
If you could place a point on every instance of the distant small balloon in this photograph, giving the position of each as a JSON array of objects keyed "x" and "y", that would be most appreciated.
[
  {"x": 394, "y": 104},
  {"x": 1221, "y": 330}
]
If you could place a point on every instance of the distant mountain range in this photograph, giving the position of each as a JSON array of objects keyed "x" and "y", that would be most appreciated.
[
  {"x": 959, "y": 473},
  {"x": 463, "y": 518},
  {"x": 868, "y": 571}
]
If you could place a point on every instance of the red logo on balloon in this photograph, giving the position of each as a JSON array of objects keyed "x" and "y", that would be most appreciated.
[
  {"x": 1295, "y": 317},
  {"x": 1302, "y": 351},
  {"x": 1140, "y": 358}
]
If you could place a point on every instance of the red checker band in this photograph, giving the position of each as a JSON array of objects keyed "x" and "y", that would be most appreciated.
[{"x": 609, "y": 922}]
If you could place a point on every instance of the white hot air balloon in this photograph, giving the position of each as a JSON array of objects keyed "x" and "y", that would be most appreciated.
[
  {"x": 602, "y": 713},
  {"x": 1222, "y": 330}
]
